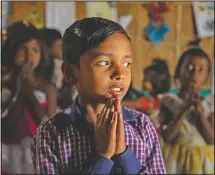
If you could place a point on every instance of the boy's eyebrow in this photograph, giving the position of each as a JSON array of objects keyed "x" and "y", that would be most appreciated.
[
  {"x": 97, "y": 54},
  {"x": 128, "y": 56}
]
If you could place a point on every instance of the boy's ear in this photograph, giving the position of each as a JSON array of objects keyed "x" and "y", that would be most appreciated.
[{"x": 69, "y": 72}]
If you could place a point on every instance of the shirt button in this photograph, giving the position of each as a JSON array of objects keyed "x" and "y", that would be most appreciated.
[{"x": 119, "y": 170}]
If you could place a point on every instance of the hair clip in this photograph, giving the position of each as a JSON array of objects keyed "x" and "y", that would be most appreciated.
[{"x": 26, "y": 23}]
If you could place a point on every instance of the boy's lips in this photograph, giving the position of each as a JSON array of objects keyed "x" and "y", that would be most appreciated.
[{"x": 116, "y": 90}]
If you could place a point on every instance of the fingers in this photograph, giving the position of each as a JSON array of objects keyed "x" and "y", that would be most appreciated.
[
  {"x": 107, "y": 105},
  {"x": 105, "y": 112},
  {"x": 120, "y": 119},
  {"x": 100, "y": 116},
  {"x": 112, "y": 107},
  {"x": 117, "y": 105},
  {"x": 113, "y": 125},
  {"x": 120, "y": 123}
]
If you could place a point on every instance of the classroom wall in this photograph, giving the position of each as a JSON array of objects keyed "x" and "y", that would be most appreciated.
[{"x": 180, "y": 22}]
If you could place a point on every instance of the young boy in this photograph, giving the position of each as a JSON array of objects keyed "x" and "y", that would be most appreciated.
[{"x": 95, "y": 135}]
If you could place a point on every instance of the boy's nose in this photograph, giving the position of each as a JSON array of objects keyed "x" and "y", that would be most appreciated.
[
  {"x": 118, "y": 74},
  {"x": 119, "y": 77}
]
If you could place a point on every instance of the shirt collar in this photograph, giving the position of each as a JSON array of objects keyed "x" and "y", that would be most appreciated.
[{"x": 75, "y": 115}]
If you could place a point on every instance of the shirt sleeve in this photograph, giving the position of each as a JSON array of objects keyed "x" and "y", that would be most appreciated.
[
  {"x": 154, "y": 159},
  {"x": 129, "y": 162},
  {"x": 46, "y": 161},
  {"x": 98, "y": 164}
]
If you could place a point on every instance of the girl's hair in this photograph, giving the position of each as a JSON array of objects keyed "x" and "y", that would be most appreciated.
[
  {"x": 17, "y": 34},
  {"x": 50, "y": 36},
  {"x": 85, "y": 34},
  {"x": 161, "y": 76},
  {"x": 189, "y": 54}
]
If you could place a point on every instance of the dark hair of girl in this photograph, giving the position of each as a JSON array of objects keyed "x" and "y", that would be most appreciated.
[
  {"x": 160, "y": 76},
  {"x": 17, "y": 34},
  {"x": 50, "y": 36}
]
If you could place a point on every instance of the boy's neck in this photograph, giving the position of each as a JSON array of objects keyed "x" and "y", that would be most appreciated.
[{"x": 91, "y": 110}]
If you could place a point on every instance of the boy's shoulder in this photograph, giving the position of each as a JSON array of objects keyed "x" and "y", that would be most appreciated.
[
  {"x": 59, "y": 120},
  {"x": 136, "y": 116}
]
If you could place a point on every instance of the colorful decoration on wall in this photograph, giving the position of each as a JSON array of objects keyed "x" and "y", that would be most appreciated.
[
  {"x": 156, "y": 10},
  {"x": 204, "y": 17},
  {"x": 32, "y": 11},
  {"x": 35, "y": 15},
  {"x": 157, "y": 27}
]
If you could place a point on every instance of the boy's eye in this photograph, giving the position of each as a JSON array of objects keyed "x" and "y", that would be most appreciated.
[
  {"x": 126, "y": 64},
  {"x": 103, "y": 63}
]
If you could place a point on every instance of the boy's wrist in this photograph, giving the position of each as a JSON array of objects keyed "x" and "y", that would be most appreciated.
[
  {"x": 107, "y": 156},
  {"x": 121, "y": 152}
]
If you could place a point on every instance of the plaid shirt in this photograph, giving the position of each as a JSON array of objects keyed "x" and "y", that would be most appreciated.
[{"x": 65, "y": 144}]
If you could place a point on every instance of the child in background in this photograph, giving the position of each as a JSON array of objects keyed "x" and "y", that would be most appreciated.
[
  {"x": 95, "y": 135},
  {"x": 66, "y": 92},
  {"x": 53, "y": 40},
  {"x": 187, "y": 127},
  {"x": 156, "y": 82},
  {"x": 24, "y": 56}
]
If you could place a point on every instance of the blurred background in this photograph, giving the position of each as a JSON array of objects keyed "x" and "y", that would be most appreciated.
[
  {"x": 181, "y": 21},
  {"x": 161, "y": 32}
]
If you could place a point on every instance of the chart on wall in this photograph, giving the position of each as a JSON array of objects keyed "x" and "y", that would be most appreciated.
[
  {"x": 33, "y": 12},
  {"x": 204, "y": 17},
  {"x": 106, "y": 10}
]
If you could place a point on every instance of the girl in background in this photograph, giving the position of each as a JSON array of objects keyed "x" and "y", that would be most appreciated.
[
  {"x": 186, "y": 120},
  {"x": 25, "y": 106},
  {"x": 156, "y": 82}
]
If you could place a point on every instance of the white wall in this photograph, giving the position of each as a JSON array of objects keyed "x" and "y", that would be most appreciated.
[{"x": 60, "y": 15}]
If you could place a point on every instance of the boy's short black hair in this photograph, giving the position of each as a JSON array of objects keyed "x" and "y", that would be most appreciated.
[
  {"x": 50, "y": 35},
  {"x": 193, "y": 52},
  {"x": 85, "y": 34},
  {"x": 160, "y": 76}
]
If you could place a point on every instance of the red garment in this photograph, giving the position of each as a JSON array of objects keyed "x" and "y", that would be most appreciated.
[
  {"x": 145, "y": 103},
  {"x": 26, "y": 126},
  {"x": 146, "y": 108}
]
